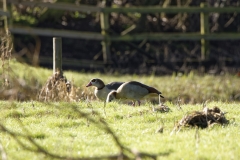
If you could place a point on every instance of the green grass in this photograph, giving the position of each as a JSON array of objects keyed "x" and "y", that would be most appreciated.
[
  {"x": 58, "y": 128},
  {"x": 61, "y": 128},
  {"x": 191, "y": 88}
]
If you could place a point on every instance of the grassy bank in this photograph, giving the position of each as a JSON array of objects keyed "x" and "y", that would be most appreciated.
[
  {"x": 79, "y": 129},
  {"x": 191, "y": 88}
]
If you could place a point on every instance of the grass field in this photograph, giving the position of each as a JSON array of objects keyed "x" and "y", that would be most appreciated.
[
  {"x": 73, "y": 130},
  {"x": 59, "y": 129}
]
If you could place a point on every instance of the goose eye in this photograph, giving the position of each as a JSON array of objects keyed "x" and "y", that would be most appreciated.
[{"x": 93, "y": 80}]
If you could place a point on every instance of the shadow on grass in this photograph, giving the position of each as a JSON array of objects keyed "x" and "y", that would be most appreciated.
[{"x": 29, "y": 141}]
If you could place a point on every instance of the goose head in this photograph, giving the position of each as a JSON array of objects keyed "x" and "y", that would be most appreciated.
[
  {"x": 111, "y": 96},
  {"x": 96, "y": 82}
]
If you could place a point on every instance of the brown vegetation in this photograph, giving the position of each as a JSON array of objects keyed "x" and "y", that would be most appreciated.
[
  {"x": 159, "y": 57},
  {"x": 202, "y": 119}
]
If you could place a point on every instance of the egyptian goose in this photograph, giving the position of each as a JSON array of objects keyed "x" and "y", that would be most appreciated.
[
  {"x": 133, "y": 90},
  {"x": 102, "y": 90}
]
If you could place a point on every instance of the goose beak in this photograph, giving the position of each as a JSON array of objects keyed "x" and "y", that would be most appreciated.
[{"x": 89, "y": 84}]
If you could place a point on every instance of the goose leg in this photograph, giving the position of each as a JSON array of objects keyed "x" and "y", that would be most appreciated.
[
  {"x": 133, "y": 103},
  {"x": 139, "y": 102},
  {"x": 159, "y": 99}
]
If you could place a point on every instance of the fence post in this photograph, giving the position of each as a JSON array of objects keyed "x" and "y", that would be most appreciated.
[
  {"x": 57, "y": 55},
  {"x": 5, "y": 17},
  {"x": 104, "y": 18},
  {"x": 204, "y": 29}
]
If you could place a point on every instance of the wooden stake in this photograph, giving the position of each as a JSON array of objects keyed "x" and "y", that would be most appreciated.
[
  {"x": 204, "y": 30},
  {"x": 5, "y": 17},
  {"x": 104, "y": 18},
  {"x": 57, "y": 55}
]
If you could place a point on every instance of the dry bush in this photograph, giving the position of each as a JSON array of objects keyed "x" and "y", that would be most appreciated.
[
  {"x": 5, "y": 47},
  {"x": 57, "y": 88},
  {"x": 12, "y": 87},
  {"x": 5, "y": 51},
  {"x": 6, "y": 91}
]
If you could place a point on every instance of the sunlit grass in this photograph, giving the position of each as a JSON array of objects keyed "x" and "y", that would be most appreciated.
[
  {"x": 60, "y": 130},
  {"x": 191, "y": 88}
]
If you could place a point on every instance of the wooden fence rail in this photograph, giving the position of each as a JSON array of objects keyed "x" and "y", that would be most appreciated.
[
  {"x": 203, "y": 35},
  {"x": 141, "y": 9}
]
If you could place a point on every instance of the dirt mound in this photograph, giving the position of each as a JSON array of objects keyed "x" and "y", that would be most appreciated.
[{"x": 203, "y": 119}]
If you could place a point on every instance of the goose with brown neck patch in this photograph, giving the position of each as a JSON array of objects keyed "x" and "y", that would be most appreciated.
[
  {"x": 135, "y": 91},
  {"x": 102, "y": 90}
]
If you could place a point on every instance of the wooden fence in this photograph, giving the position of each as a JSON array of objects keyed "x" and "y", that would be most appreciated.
[{"x": 203, "y": 35}]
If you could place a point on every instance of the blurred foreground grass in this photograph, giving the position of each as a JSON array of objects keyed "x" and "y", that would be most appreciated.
[{"x": 36, "y": 130}]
